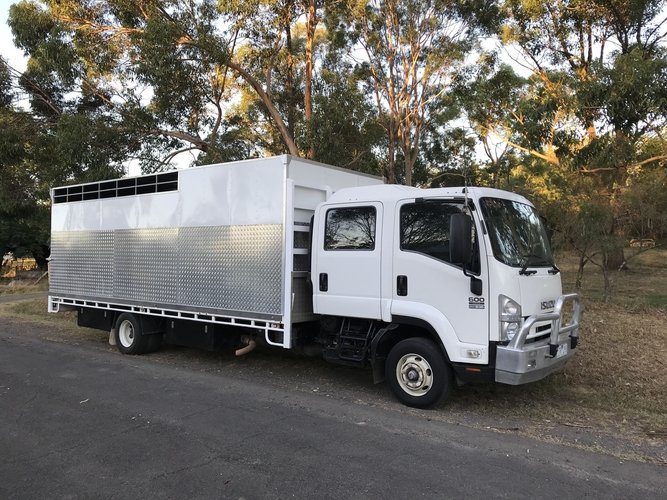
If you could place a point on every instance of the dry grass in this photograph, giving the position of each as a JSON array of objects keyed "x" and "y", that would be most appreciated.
[
  {"x": 13, "y": 287},
  {"x": 623, "y": 359},
  {"x": 35, "y": 310}
]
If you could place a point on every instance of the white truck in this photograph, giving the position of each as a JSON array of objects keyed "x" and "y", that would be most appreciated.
[{"x": 428, "y": 287}]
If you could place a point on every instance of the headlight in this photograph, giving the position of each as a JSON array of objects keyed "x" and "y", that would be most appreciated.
[
  {"x": 511, "y": 307},
  {"x": 510, "y": 317}
]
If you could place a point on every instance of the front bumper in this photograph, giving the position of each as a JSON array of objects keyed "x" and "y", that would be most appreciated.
[{"x": 521, "y": 363}]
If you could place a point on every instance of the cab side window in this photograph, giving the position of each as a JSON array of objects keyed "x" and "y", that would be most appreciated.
[
  {"x": 350, "y": 228},
  {"x": 424, "y": 229}
]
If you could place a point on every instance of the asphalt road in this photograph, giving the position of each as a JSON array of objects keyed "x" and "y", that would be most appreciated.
[{"x": 79, "y": 420}]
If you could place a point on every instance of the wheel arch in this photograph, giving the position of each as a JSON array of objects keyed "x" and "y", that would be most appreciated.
[
  {"x": 148, "y": 332},
  {"x": 149, "y": 323},
  {"x": 401, "y": 328}
]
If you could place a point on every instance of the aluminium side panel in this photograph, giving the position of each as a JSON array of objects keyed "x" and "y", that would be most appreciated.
[{"x": 216, "y": 244}]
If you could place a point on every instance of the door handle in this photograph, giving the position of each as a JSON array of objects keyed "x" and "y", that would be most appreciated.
[
  {"x": 324, "y": 282},
  {"x": 401, "y": 285}
]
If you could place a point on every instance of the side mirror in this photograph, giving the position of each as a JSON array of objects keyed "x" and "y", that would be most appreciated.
[
  {"x": 460, "y": 238},
  {"x": 476, "y": 287}
]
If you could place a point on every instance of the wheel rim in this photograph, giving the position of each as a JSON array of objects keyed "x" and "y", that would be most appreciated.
[
  {"x": 414, "y": 374},
  {"x": 126, "y": 333}
]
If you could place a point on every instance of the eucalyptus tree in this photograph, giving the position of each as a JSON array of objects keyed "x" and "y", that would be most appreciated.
[
  {"x": 490, "y": 95},
  {"x": 596, "y": 94},
  {"x": 111, "y": 80},
  {"x": 62, "y": 137},
  {"x": 344, "y": 129},
  {"x": 411, "y": 50},
  {"x": 17, "y": 213},
  {"x": 171, "y": 69}
]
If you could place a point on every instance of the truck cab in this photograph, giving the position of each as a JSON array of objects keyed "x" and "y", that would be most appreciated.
[{"x": 448, "y": 285}]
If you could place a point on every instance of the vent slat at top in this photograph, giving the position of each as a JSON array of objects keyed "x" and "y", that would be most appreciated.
[{"x": 149, "y": 184}]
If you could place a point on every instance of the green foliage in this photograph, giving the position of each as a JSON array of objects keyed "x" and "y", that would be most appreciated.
[
  {"x": 345, "y": 130},
  {"x": 448, "y": 159},
  {"x": 595, "y": 95},
  {"x": 630, "y": 93},
  {"x": 644, "y": 203},
  {"x": 23, "y": 214},
  {"x": 6, "y": 93},
  {"x": 412, "y": 50},
  {"x": 67, "y": 134}
]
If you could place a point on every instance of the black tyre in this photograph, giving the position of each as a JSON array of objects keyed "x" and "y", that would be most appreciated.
[
  {"x": 129, "y": 336},
  {"x": 417, "y": 373}
]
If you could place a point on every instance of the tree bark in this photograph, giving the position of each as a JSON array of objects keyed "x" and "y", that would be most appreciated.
[
  {"x": 273, "y": 111},
  {"x": 390, "y": 173},
  {"x": 614, "y": 259},
  {"x": 311, "y": 25},
  {"x": 580, "y": 271},
  {"x": 289, "y": 79}
]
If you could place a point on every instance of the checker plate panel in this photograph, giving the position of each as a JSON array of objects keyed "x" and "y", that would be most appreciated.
[
  {"x": 231, "y": 268},
  {"x": 81, "y": 263},
  {"x": 145, "y": 265}
]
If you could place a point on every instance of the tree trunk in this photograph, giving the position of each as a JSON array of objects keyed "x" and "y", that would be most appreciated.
[
  {"x": 580, "y": 271},
  {"x": 289, "y": 79},
  {"x": 266, "y": 100},
  {"x": 607, "y": 285},
  {"x": 409, "y": 165},
  {"x": 311, "y": 25},
  {"x": 614, "y": 259},
  {"x": 390, "y": 173}
]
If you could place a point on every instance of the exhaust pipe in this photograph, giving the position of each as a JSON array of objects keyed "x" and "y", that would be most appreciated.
[{"x": 250, "y": 344}]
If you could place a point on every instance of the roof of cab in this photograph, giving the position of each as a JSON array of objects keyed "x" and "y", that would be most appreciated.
[{"x": 386, "y": 193}]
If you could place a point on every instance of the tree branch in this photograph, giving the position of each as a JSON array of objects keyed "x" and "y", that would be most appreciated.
[
  {"x": 552, "y": 159},
  {"x": 173, "y": 154},
  {"x": 266, "y": 99},
  {"x": 197, "y": 142}
]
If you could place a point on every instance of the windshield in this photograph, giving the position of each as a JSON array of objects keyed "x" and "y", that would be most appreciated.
[{"x": 517, "y": 235}]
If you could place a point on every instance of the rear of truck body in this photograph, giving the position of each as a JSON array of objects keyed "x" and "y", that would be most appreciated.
[{"x": 295, "y": 251}]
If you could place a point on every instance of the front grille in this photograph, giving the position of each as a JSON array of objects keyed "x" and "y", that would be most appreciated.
[{"x": 540, "y": 332}]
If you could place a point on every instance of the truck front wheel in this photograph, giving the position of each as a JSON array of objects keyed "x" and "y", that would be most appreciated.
[
  {"x": 418, "y": 373},
  {"x": 129, "y": 335}
]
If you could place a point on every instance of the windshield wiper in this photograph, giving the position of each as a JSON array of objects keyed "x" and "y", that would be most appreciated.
[{"x": 531, "y": 260}]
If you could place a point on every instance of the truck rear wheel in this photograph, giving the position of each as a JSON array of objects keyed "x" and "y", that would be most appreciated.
[
  {"x": 418, "y": 373},
  {"x": 129, "y": 336}
]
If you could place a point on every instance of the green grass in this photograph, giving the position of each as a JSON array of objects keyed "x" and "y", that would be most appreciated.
[
  {"x": 643, "y": 283},
  {"x": 657, "y": 300},
  {"x": 35, "y": 310}
]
